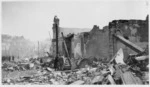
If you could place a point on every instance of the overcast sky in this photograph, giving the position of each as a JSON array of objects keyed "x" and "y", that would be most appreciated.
[{"x": 34, "y": 19}]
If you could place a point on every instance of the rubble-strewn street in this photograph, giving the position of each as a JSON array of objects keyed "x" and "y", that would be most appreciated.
[{"x": 103, "y": 74}]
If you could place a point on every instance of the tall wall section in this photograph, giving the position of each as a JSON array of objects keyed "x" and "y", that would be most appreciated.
[{"x": 135, "y": 31}]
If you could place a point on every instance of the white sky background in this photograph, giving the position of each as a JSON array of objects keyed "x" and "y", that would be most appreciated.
[{"x": 34, "y": 19}]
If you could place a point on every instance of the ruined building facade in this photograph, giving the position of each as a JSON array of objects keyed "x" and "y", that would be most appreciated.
[
  {"x": 100, "y": 43},
  {"x": 136, "y": 31}
]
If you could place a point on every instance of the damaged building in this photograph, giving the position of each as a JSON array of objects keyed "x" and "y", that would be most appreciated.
[
  {"x": 114, "y": 55},
  {"x": 101, "y": 43}
]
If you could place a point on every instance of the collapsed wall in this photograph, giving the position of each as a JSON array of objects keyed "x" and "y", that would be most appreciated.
[
  {"x": 100, "y": 43},
  {"x": 135, "y": 31},
  {"x": 91, "y": 44}
]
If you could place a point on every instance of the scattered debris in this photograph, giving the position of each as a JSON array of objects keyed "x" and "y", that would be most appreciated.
[{"x": 114, "y": 72}]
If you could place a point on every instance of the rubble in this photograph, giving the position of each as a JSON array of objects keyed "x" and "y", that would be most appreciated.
[
  {"x": 79, "y": 82},
  {"x": 115, "y": 72},
  {"x": 97, "y": 79},
  {"x": 111, "y": 80},
  {"x": 82, "y": 76}
]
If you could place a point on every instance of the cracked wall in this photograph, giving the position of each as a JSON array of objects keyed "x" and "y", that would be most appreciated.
[
  {"x": 92, "y": 44},
  {"x": 135, "y": 31}
]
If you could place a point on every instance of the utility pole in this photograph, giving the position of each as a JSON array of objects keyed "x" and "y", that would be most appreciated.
[
  {"x": 56, "y": 40},
  {"x": 38, "y": 49},
  {"x": 56, "y": 24}
]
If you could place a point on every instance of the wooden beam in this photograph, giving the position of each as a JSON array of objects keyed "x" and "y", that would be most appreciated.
[
  {"x": 68, "y": 56},
  {"x": 129, "y": 44}
]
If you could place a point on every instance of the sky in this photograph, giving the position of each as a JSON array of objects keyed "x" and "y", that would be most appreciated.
[{"x": 34, "y": 19}]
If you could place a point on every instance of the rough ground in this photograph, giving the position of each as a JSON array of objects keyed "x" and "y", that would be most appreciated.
[{"x": 101, "y": 75}]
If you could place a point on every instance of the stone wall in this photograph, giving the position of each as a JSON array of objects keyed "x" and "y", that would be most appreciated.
[
  {"x": 92, "y": 44},
  {"x": 98, "y": 43},
  {"x": 135, "y": 31}
]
